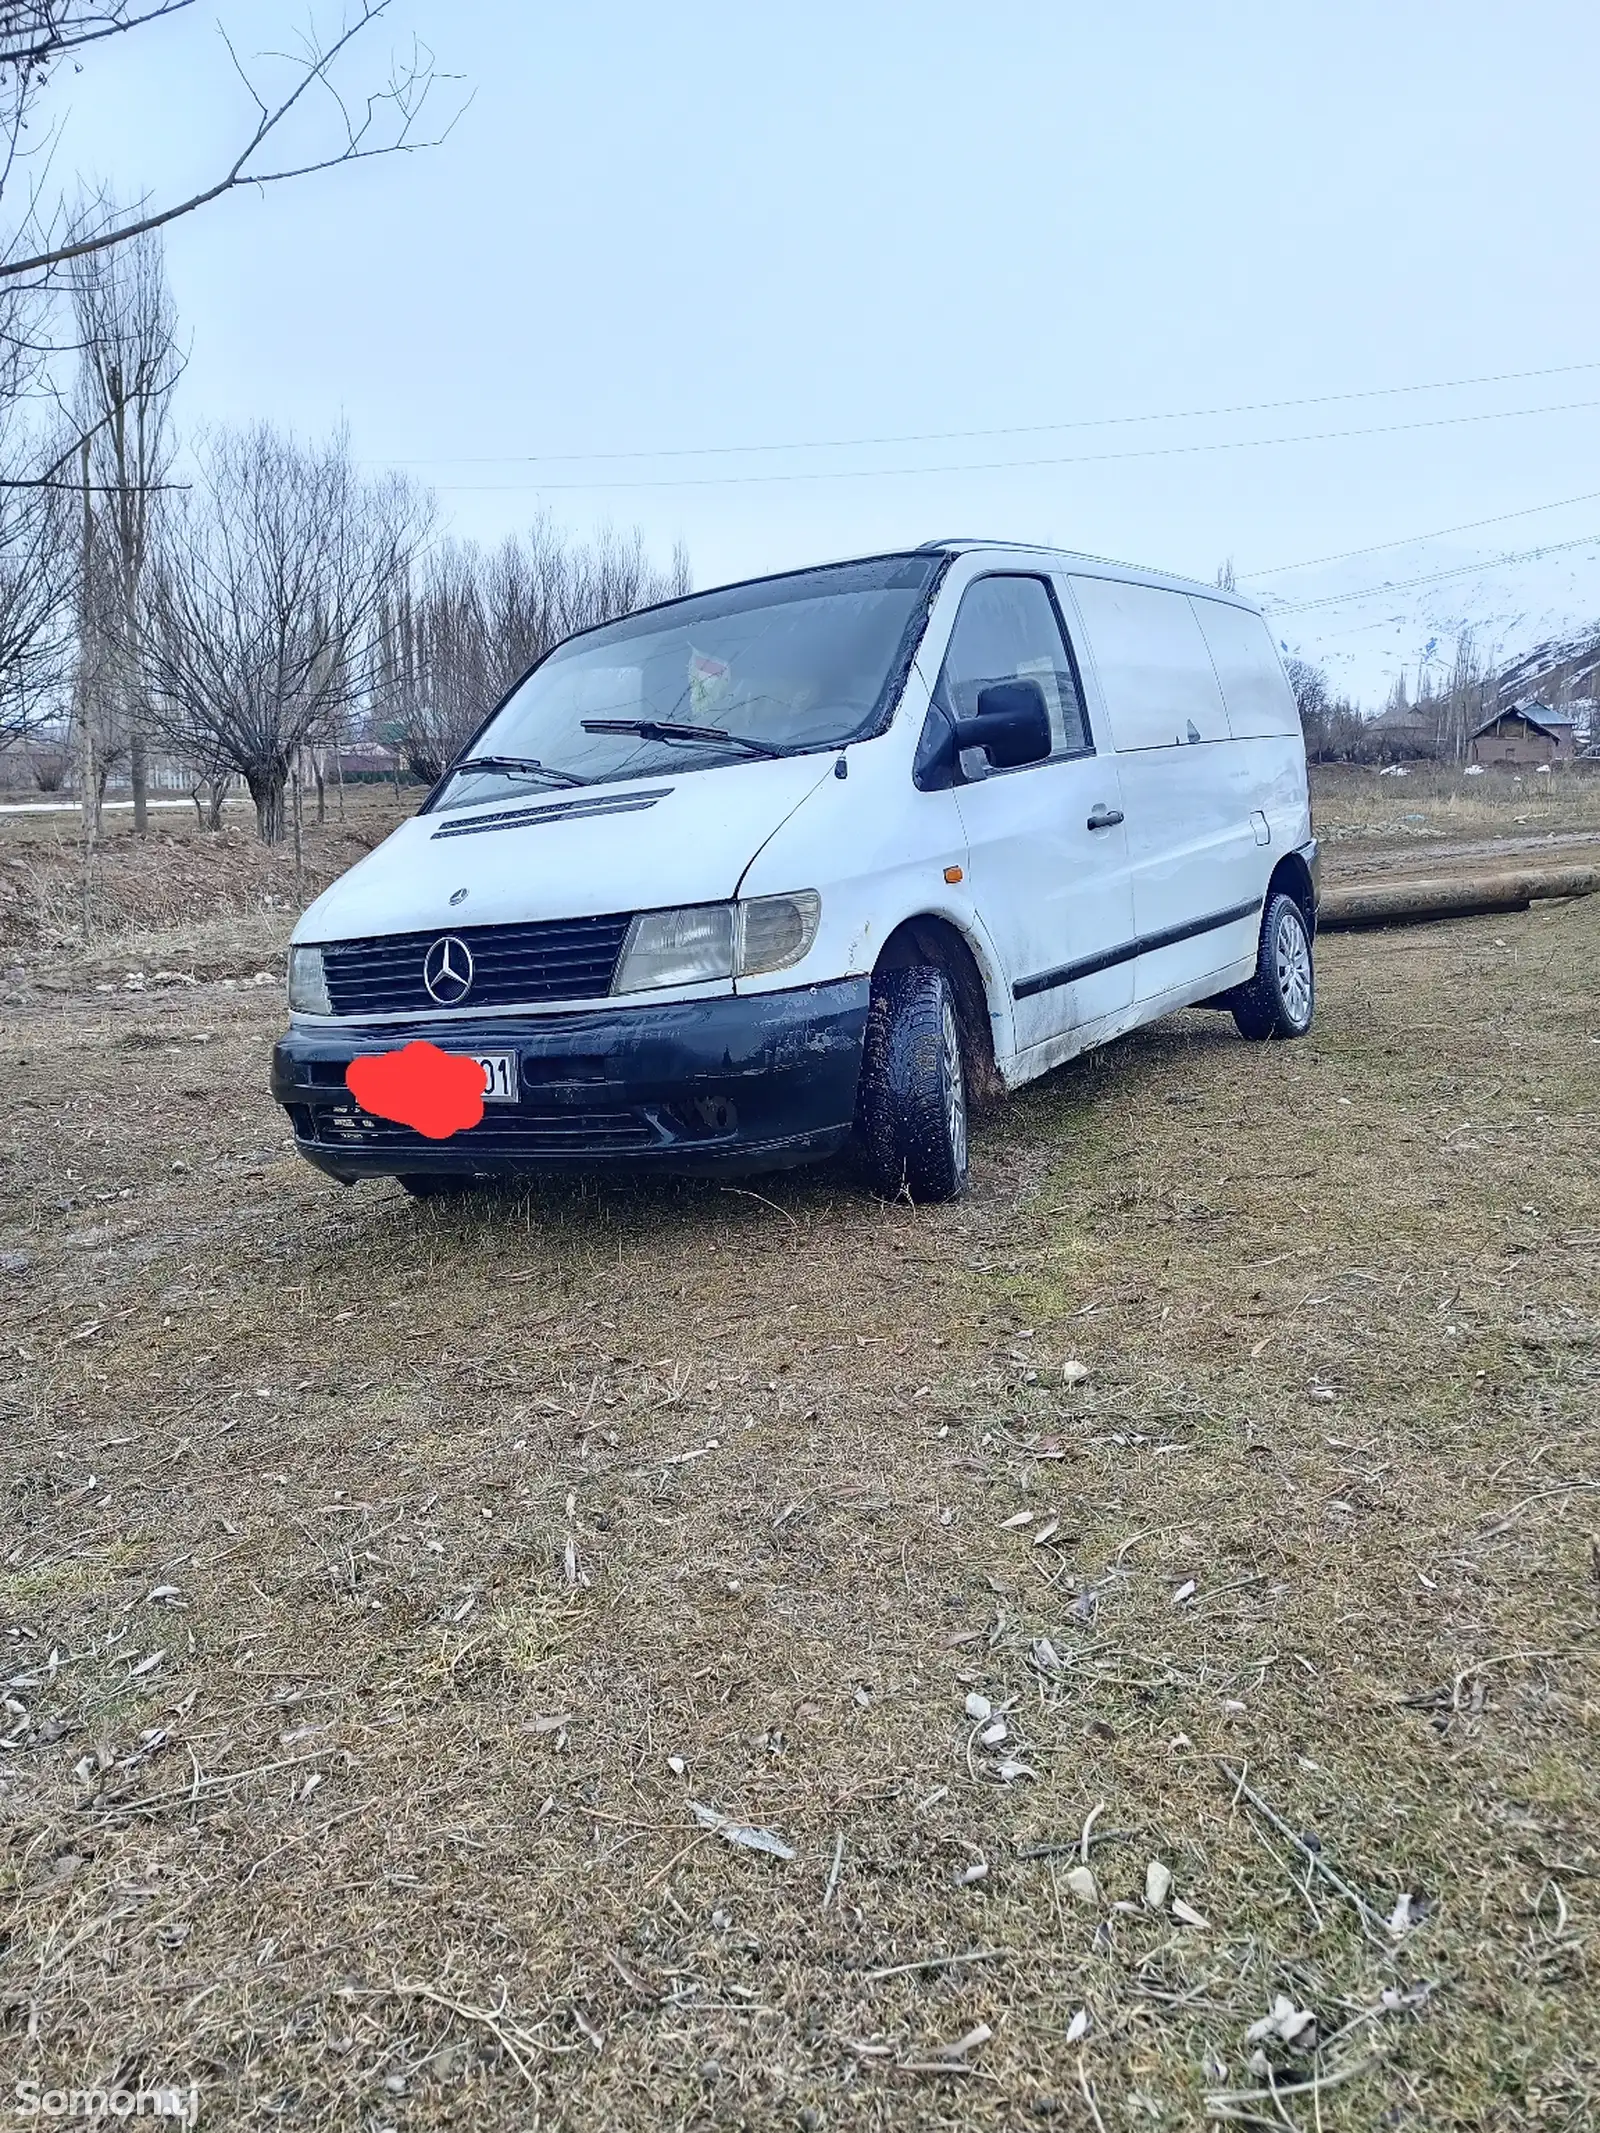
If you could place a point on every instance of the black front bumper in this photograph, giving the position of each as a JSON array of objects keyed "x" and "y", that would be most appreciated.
[{"x": 756, "y": 1083}]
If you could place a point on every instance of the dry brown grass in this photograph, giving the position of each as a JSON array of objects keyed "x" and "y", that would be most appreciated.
[
  {"x": 1362, "y": 815},
  {"x": 417, "y": 1479},
  {"x": 181, "y": 890}
]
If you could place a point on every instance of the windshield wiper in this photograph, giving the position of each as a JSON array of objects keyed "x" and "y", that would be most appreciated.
[
  {"x": 519, "y": 765},
  {"x": 656, "y": 729}
]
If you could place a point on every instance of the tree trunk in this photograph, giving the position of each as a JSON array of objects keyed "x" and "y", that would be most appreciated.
[
  {"x": 214, "y": 806},
  {"x": 139, "y": 778},
  {"x": 266, "y": 790},
  {"x": 1410, "y": 903},
  {"x": 90, "y": 822}
]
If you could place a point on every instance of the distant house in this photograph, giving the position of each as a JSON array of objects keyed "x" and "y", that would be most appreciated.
[
  {"x": 1402, "y": 734},
  {"x": 1532, "y": 733},
  {"x": 364, "y": 761}
]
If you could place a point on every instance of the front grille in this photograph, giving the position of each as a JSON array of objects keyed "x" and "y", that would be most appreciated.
[
  {"x": 509, "y": 1133},
  {"x": 513, "y": 966}
]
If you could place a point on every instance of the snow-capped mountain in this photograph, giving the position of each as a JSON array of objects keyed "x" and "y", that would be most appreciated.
[{"x": 1365, "y": 619}]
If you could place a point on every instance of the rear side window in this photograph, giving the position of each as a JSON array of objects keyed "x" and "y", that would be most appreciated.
[
  {"x": 1155, "y": 671},
  {"x": 1254, "y": 684},
  {"x": 1008, "y": 630}
]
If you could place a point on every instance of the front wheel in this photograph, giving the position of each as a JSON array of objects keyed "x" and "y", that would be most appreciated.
[
  {"x": 912, "y": 1113},
  {"x": 1281, "y": 998}
]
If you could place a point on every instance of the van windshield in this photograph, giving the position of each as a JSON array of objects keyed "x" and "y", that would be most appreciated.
[{"x": 778, "y": 667}]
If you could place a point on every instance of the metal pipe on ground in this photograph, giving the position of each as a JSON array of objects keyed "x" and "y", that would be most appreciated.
[{"x": 1413, "y": 903}]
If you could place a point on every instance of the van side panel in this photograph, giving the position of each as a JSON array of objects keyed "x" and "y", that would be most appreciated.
[
  {"x": 1156, "y": 675},
  {"x": 1188, "y": 788},
  {"x": 1254, "y": 686}
]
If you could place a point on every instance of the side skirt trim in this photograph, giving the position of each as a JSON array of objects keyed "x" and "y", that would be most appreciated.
[{"x": 1147, "y": 944}]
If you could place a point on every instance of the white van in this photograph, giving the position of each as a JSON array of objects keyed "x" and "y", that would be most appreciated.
[{"x": 820, "y": 858}]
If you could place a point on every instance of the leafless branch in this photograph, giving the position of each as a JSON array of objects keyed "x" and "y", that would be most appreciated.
[
  {"x": 33, "y": 33},
  {"x": 402, "y": 102}
]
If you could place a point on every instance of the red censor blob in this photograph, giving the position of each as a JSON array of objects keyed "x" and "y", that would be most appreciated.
[{"x": 436, "y": 1092}]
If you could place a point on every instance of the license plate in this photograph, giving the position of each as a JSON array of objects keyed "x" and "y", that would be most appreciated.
[{"x": 499, "y": 1076}]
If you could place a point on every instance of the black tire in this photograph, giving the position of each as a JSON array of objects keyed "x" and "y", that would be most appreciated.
[
  {"x": 1281, "y": 999},
  {"x": 434, "y": 1188},
  {"x": 912, "y": 1111}
]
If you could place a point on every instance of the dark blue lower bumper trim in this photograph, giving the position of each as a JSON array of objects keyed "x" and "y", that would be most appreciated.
[{"x": 753, "y": 1083}]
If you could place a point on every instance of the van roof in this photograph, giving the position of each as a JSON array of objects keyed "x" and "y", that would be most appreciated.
[{"x": 1094, "y": 566}]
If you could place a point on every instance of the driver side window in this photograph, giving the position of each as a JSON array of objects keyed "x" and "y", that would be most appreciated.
[{"x": 1008, "y": 630}]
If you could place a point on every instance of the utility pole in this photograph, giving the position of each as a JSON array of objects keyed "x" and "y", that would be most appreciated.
[
  {"x": 297, "y": 775},
  {"x": 88, "y": 790},
  {"x": 131, "y": 511}
]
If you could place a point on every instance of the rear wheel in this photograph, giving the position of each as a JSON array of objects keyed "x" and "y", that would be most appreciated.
[
  {"x": 912, "y": 1118},
  {"x": 1281, "y": 998}
]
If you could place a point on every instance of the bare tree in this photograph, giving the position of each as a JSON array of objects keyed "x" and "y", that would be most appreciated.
[
  {"x": 1335, "y": 731},
  {"x": 1310, "y": 686},
  {"x": 1461, "y": 708},
  {"x": 38, "y": 546},
  {"x": 128, "y": 368},
  {"x": 304, "y": 114},
  {"x": 100, "y": 728},
  {"x": 36, "y": 36},
  {"x": 38, "y": 578},
  {"x": 268, "y": 600},
  {"x": 475, "y": 622}
]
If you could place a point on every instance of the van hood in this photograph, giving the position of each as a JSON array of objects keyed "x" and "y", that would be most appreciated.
[{"x": 640, "y": 846}]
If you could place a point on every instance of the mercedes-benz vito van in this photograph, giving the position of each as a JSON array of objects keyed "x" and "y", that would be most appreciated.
[{"x": 821, "y": 858}]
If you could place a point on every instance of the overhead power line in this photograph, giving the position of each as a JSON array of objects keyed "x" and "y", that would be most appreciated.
[
  {"x": 1437, "y": 577},
  {"x": 1032, "y": 429},
  {"x": 1470, "y": 525},
  {"x": 991, "y": 466}
]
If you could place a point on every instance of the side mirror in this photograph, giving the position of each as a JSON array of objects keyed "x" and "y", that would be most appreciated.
[{"x": 1011, "y": 726}]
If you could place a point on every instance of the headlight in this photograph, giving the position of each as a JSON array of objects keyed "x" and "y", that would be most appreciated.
[
  {"x": 308, "y": 983},
  {"x": 775, "y": 931},
  {"x": 705, "y": 942},
  {"x": 676, "y": 948}
]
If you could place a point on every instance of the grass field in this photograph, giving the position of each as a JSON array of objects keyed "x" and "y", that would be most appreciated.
[{"x": 404, "y": 1606}]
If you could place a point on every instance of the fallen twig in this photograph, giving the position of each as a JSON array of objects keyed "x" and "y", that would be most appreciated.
[
  {"x": 740, "y": 1193},
  {"x": 484, "y": 2017},
  {"x": 833, "y": 1871},
  {"x": 1562, "y": 1488},
  {"x": 1482, "y": 1666},
  {"x": 1370, "y": 1920},
  {"x": 1075, "y": 1845},
  {"x": 937, "y": 1962},
  {"x": 192, "y": 1790},
  {"x": 1223, "y": 2102},
  {"x": 1087, "y": 2087}
]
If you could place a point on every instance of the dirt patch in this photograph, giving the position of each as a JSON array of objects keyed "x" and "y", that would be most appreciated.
[
  {"x": 1428, "y": 803},
  {"x": 176, "y": 878},
  {"x": 387, "y": 1588}
]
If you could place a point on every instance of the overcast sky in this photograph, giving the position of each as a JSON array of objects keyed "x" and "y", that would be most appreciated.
[{"x": 678, "y": 233}]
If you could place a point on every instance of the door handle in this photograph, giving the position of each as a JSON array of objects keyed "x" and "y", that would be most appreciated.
[{"x": 1104, "y": 818}]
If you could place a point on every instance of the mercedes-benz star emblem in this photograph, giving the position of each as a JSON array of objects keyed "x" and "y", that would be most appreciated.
[{"x": 447, "y": 971}]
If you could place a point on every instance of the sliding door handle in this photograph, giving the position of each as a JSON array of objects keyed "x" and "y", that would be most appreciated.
[{"x": 1104, "y": 818}]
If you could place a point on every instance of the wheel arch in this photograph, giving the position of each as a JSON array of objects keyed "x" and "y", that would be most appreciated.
[
  {"x": 1292, "y": 877},
  {"x": 930, "y": 938}
]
